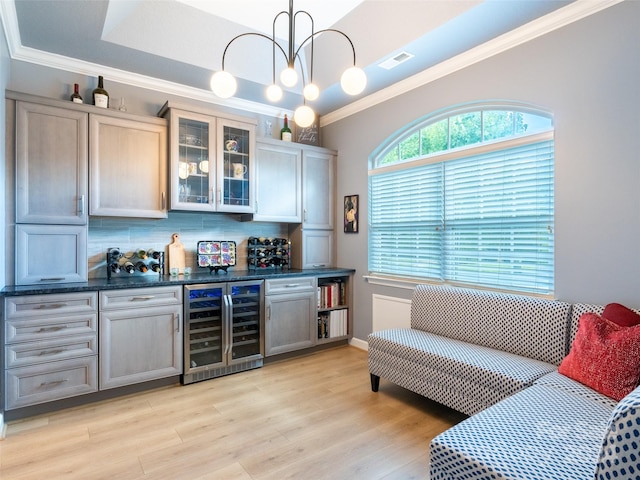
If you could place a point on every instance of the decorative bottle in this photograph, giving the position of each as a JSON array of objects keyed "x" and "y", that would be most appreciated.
[
  {"x": 100, "y": 95},
  {"x": 285, "y": 132},
  {"x": 75, "y": 96}
]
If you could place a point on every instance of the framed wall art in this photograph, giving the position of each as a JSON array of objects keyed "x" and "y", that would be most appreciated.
[{"x": 351, "y": 214}]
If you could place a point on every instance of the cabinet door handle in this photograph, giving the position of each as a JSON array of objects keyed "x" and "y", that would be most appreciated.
[
  {"x": 319, "y": 265},
  {"x": 53, "y": 384},
  {"x": 52, "y": 329},
  {"x": 142, "y": 298},
  {"x": 268, "y": 313},
  {"x": 49, "y": 306},
  {"x": 50, "y": 352},
  {"x": 178, "y": 322},
  {"x": 164, "y": 201},
  {"x": 52, "y": 279},
  {"x": 304, "y": 215},
  {"x": 81, "y": 205}
]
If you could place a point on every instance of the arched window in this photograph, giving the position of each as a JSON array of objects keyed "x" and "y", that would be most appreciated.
[{"x": 466, "y": 197}]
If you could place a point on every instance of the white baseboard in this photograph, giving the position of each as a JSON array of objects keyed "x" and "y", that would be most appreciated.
[
  {"x": 3, "y": 427},
  {"x": 361, "y": 344}
]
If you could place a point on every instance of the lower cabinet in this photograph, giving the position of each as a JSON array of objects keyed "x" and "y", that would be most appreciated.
[
  {"x": 50, "y": 347},
  {"x": 140, "y": 335},
  {"x": 290, "y": 305}
]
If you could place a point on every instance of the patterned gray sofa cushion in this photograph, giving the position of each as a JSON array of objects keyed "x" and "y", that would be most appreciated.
[
  {"x": 463, "y": 376},
  {"x": 620, "y": 453},
  {"x": 527, "y": 326},
  {"x": 557, "y": 380},
  {"x": 541, "y": 432}
]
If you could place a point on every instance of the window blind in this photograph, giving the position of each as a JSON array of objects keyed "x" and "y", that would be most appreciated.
[{"x": 484, "y": 220}]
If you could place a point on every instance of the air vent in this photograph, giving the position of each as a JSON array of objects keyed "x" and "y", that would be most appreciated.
[{"x": 396, "y": 60}]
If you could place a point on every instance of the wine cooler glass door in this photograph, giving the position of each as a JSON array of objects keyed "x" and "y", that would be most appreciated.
[
  {"x": 206, "y": 330},
  {"x": 246, "y": 321}
]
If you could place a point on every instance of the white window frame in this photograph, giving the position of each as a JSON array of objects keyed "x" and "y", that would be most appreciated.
[{"x": 405, "y": 278}]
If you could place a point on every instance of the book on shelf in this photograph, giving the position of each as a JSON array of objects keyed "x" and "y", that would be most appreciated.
[
  {"x": 333, "y": 323},
  {"x": 331, "y": 294}
]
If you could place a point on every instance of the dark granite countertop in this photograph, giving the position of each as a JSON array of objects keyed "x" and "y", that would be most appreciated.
[{"x": 140, "y": 281}]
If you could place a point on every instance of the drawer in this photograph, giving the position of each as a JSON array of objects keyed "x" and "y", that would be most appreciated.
[
  {"x": 50, "y": 305},
  {"x": 140, "y": 297},
  {"x": 50, "y": 381},
  {"x": 30, "y": 353},
  {"x": 38, "y": 329},
  {"x": 290, "y": 285}
]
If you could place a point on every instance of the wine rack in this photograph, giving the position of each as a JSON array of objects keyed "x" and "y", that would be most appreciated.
[
  {"x": 138, "y": 262},
  {"x": 268, "y": 253}
]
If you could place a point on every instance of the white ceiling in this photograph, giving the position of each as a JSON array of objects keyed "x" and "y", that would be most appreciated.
[{"x": 180, "y": 43}]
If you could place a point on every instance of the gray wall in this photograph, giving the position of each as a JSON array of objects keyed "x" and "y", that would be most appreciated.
[
  {"x": 587, "y": 75},
  {"x": 4, "y": 80}
]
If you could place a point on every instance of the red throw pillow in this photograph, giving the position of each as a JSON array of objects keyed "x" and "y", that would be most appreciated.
[
  {"x": 623, "y": 316},
  {"x": 604, "y": 356}
]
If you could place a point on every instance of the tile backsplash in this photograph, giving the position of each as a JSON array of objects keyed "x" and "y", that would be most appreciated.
[{"x": 131, "y": 234}]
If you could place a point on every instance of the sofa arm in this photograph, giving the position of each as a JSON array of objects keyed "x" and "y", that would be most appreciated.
[{"x": 620, "y": 452}]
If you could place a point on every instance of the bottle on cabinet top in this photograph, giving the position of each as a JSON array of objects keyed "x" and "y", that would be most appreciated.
[
  {"x": 75, "y": 96},
  {"x": 100, "y": 95},
  {"x": 285, "y": 132}
]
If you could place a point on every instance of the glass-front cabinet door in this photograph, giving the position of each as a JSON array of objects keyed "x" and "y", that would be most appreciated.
[
  {"x": 193, "y": 166},
  {"x": 235, "y": 166}
]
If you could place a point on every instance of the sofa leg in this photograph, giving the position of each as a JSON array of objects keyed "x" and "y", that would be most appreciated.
[{"x": 375, "y": 382}]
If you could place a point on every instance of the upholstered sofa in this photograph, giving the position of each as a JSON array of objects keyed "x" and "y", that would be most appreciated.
[{"x": 495, "y": 357}]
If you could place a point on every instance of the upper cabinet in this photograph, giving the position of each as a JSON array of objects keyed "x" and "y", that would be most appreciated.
[
  {"x": 128, "y": 173},
  {"x": 51, "y": 165},
  {"x": 278, "y": 182},
  {"x": 317, "y": 189},
  {"x": 212, "y": 161}
]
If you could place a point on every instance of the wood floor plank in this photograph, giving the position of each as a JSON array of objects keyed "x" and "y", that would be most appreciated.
[{"x": 311, "y": 417}]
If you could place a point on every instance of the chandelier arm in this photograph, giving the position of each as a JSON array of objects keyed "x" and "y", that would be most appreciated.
[
  {"x": 313, "y": 32},
  {"x": 353, "y": 49},
  {"x": 258, "y": 35}
]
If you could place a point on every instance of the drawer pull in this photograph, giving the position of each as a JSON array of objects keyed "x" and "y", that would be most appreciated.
[
  {"x": 292, "y": 285},
  {"x": 50, "y": 352},
  {"x": 50, "y": 306},
  {"x": 142, "y": 298},
  {"x": 53, "y": 383},
  {"x": 52, "y": 329}
]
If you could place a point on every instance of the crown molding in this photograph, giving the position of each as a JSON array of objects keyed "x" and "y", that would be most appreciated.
[{"x": 534, "y": 29}]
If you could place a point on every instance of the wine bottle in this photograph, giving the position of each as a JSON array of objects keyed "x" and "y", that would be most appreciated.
[
  {"x": 142, "y": 254},
  {"x": 155, "y": 267},
  {"x": 141, "y": 266},
  {"x": 285, "y": 132},
  {"x": 75, "y": 96},
  {"x": 153, "y": 254},
  {"x": 126, "y": 265},
  {"x": 100, "y": 95},
  {"x": 115, "y": 268}
]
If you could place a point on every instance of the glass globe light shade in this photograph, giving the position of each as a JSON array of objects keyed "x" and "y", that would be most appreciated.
[
  {"x": 289, "y": 77},
  {"x": 311, "y": 91},
  {"x": 223, "y": 84},
  {"x": 274, "y": 93},
  {"x": 353, "y": 80},
  {"x": 304, "y": 116}
]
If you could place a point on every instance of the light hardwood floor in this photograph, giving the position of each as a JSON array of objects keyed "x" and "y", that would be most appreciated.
[{"x": 312, "y": 417}]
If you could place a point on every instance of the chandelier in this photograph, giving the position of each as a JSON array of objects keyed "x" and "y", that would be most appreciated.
[{"x": 353, "y": 79}]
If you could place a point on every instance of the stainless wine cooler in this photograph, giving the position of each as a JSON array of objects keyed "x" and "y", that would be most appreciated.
[{"x": 224, "y": 329}]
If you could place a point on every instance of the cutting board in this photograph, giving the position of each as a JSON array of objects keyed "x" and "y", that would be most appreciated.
[{"x": 175, "y": 252}]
